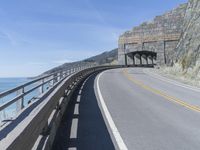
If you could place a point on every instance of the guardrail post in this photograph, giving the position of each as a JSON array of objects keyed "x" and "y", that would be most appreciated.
[
  {"x": 68, "y": 72},
  {"x": 64, "y": 73},
  {"x": 60, "y": 75},
  {"x": 20, "y": 102},
  {"x": 41, "y": 90},
  {"x": 55, "y": 78},
  {"x": 71, "y": 71}
]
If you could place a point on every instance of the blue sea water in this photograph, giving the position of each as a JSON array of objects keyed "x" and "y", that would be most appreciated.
[
  {"x": 12, "y": 110},
  {"x": 7, "y": 84}
]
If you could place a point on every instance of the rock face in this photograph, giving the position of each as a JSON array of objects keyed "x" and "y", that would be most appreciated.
[
  {"x": 160, "y": 36},
  {"x": 188, "y": 48}
]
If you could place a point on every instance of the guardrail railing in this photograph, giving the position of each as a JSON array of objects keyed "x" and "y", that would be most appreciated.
[
  {"x": 36, "y": 125},
  {"x": 15, "y": 100}
]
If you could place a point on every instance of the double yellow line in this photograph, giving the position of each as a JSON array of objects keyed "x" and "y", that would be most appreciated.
[{"x": 160, "y": 93}]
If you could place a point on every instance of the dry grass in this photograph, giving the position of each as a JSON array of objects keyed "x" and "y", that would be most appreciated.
[{"x": 182, "y": 72}]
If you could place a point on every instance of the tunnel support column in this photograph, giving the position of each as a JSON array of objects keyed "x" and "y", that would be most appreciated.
[
  {"x": 126, "y": 60},
  {"x": 152, "y": 60},
  {"x": 141, "y": 60},
  {"x": 147, "y": 60},
  {"x": 133, "y": 59}
]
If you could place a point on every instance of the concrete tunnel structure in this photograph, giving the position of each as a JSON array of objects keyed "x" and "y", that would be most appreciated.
[
  {"x": 157, "y": 39},
  {"x": 140, "y": 58}
]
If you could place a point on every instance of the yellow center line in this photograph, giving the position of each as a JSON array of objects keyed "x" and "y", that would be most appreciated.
[{"x": 158, "y": 92}]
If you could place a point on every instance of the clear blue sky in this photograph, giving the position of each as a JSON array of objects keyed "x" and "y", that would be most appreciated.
[{"x": 36, "y": 35}]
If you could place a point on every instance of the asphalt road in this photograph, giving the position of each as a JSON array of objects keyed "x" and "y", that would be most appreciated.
[
  {"x": 131, "y": 109},
  {"x": 83, "y": 126},
  {"x": 149, "y": 113}
]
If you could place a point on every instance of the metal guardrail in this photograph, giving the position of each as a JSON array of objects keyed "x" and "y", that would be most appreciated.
[
  {"x": 36, "y": 126},
  {"x": 42, "y": 84}
]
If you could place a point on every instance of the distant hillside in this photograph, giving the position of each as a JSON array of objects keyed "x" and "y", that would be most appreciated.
[
  {"x": 109, "y": 57},
  {"x": 104, "y": 58}
]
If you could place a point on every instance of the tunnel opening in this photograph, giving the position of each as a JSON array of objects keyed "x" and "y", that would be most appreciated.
[{"x": 140, "y": 59}]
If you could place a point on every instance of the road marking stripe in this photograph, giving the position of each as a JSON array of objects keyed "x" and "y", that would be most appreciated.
[
  {"x": 172, "y": 81},
  {"x": 76, "y": 109},
  {"x": 158, "y": 92},
  {"x": 74, "y": 128},
  {"x": 110, "y": 121}
]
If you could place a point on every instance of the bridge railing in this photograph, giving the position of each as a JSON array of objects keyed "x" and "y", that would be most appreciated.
[
  {"x": 13, "y": 101},
  {"x": 36, "y": 125}
]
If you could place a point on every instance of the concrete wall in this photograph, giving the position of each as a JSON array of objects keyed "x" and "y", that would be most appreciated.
[{"x": 35, "y": 127}]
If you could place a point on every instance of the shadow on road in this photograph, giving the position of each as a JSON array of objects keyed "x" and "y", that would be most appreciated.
[{"x": 83, "y": 127}]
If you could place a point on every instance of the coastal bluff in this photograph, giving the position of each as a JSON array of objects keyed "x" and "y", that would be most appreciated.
[
  {"x": 160, "y": 35},
  {"x": 174, "y": 36}
]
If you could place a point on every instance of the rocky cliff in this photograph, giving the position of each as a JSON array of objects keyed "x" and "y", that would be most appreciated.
[
  {"x": 161, "y": 35},
  {"x": 174, "y": 36},
  {"x": 187, "y": 52}
]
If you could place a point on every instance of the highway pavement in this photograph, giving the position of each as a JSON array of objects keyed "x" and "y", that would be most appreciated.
[
  {"x": 83, "y": 126},
  {"x": 149, "y": 113},
  {"x": 129, "y": 108}
]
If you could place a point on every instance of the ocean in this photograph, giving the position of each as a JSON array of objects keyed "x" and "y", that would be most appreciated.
[{"x": 7, "y": 84}]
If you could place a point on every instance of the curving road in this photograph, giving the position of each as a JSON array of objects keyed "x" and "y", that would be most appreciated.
[
  {"x": 151, "y": 113},
  {"x": 133, "y": 109}
]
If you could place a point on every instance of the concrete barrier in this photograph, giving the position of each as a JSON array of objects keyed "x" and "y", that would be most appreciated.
[{"x": 41, "y": 120}]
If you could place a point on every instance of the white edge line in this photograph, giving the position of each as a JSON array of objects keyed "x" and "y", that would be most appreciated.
[
  {"x": 157, "y": 76},
  {"x": 114, "y": 130}
]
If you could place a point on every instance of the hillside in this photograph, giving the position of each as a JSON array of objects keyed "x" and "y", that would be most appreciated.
[
  {"x": 187, "y": 53},
  {"x": 161, "y": 35},
  {"x": 174, "y": 36},
  {"x": 104, "y": 58},
  {"x": 188, "y": 48},
  {"x": 108, "y": 57}
]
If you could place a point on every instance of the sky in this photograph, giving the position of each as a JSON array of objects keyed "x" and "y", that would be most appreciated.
[{"x": 37, "y": 35}]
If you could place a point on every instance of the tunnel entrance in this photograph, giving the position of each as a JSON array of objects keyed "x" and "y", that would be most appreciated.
[{"x": 141, "y": 59}]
